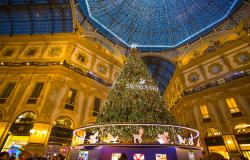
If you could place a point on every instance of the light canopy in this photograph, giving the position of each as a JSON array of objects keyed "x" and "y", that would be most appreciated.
[{"x": 156, "y": 25}]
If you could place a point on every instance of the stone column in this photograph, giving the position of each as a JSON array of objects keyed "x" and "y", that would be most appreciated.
[
  {"x": 53, "y": 99},
  {"x": 81, "y": 107},
  {"x": 88, "y": 102},
  {"x": 4, "y": 128},
  {"x": 18, "y": 99}
]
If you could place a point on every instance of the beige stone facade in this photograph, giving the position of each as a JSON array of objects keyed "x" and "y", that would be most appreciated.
[
  {"x": 211, "y": 94},
  {"x": 61, "y": 65}
]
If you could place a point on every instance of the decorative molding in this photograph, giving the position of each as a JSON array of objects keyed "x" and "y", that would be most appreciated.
[
  {"x": 57, "y": 63},
  {"x": 193, "y": 77},
  {"x": 101, "y": 68},
  {"x": 215, "y": 68},
  {"x": 31, "y": 51},
  {"x": 242, "y": 58},
  {"x": 54, "y": 51},
  {"x": 8, "y": 52},
  {"x": 82, "y": 58}
]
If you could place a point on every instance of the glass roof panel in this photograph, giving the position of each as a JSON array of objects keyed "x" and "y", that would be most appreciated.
[
  {"x": 35, "y": 17},
  {"x": 156, "y": 24},
  {"x": 161, "y": 75}
]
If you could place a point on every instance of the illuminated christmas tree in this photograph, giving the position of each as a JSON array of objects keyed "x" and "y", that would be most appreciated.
[{"x": 134, "y": 97}]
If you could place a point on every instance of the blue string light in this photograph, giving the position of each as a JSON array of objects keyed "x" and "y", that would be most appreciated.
[{"x": 156, "y": 25}]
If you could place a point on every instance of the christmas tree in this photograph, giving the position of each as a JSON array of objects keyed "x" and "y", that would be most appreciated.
[{"x": 134, "y": 97}]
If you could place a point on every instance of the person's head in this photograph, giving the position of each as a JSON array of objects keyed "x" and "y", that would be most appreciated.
[
  {"x": 123, "y": 157},
  {"x": 5, "y": 155},
  {"x": 35, "y": 155},
  {"x": 41, "y": 158},
  {"x": 61, "y": 157},
  {"x": 13, "y": 155},
  {"x": 243, "y": 157},
  {"x": 25, "y": 155},
  {"x": 215, "y": 156},
  {"x": 12, "y": 158}
]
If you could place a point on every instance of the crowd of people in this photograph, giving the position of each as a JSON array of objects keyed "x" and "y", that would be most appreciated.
[
  {"x": 217, "y": 156},
  {"x": 24, "y": 155},
  {"x": 28, "y": 156}
]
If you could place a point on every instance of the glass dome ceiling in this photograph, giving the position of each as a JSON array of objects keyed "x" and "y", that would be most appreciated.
[{"x": 156, "y": 24}]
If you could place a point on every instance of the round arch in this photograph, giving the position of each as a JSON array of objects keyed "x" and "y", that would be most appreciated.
[
  {"x": 69, "y": 115},
  {"x": 64, "y": 122},
  {"x": 204, "y": 43},
  {"x": 242, "y": 128},
  {"x": 106, "y": 43},
  {"x": 161, "y": 69},
  {"x": 60, "y": 136},
  {"x": 23, "y": 111},
  {"x": 19, "y": 132}
]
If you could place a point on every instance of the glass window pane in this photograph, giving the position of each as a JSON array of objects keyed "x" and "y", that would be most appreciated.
[
  {"x": 37, "y": 90},
  {"x": 7, "y": 90},
  {"x": 204, "y": 111}
]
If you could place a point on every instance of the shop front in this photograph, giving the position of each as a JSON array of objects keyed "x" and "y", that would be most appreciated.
[
  {"x": 215, "y": 143},
  {"x": 60, "y": 138},
  {"x": 19, "y": 133},
  {"x": 242, "y": 135}
]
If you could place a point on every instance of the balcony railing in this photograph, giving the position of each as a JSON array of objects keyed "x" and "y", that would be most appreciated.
[
  {"x": 64, "y": 64},
  {"x": 218, "y": 82}
]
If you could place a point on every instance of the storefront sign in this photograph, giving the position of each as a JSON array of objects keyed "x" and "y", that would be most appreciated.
[
  {"x": 61, "y": 132},
  {"x": 243, "y": 138},
  {"x": 141, "y": 85},
  {"x": 214, "y": 141},
  {"x": 21, "y": 129}
]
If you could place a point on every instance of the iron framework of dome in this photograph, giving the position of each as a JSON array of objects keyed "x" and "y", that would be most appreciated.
[
  {"x": 35, "y": 17},
  {"x": 156, "y": 25}
]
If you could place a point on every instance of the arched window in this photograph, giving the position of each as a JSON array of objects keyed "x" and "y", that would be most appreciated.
[
  {"x": 242, "y": 128},
  {"x": 26, "y": 117},
  {"x": 161, "y": 70},
  {"x": 64, "y": 122},
  {"x": 212, "y": 132},
  {"x": 23, "y": 124}
]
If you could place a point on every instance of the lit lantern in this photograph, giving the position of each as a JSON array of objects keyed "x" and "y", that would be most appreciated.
[{"x": 32, "y": 131}]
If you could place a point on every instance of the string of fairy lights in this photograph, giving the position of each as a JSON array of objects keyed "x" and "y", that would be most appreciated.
[
  {"x": 58, "y": 63},
  {"x": 156, "y": 24}
]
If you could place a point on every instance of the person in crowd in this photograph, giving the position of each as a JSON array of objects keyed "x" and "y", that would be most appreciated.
[
  {"x": 4, "y": 156},
  {"x": 243, "y": 157},
  {"x": 55, "y": 158},
  {"x": 12, "y": 156},
  {"x": 215, "y": 156},
  {"x": 24, "y": 155},
  {"x": 35, "y": 156},
  {"x": 61, "y": 157},
  {"x": 41, "y": 158},
  {"x": 123, "y": 157}
]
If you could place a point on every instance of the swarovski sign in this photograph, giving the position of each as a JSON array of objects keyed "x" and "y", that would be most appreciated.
[{"x": 141, "y": 85}]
